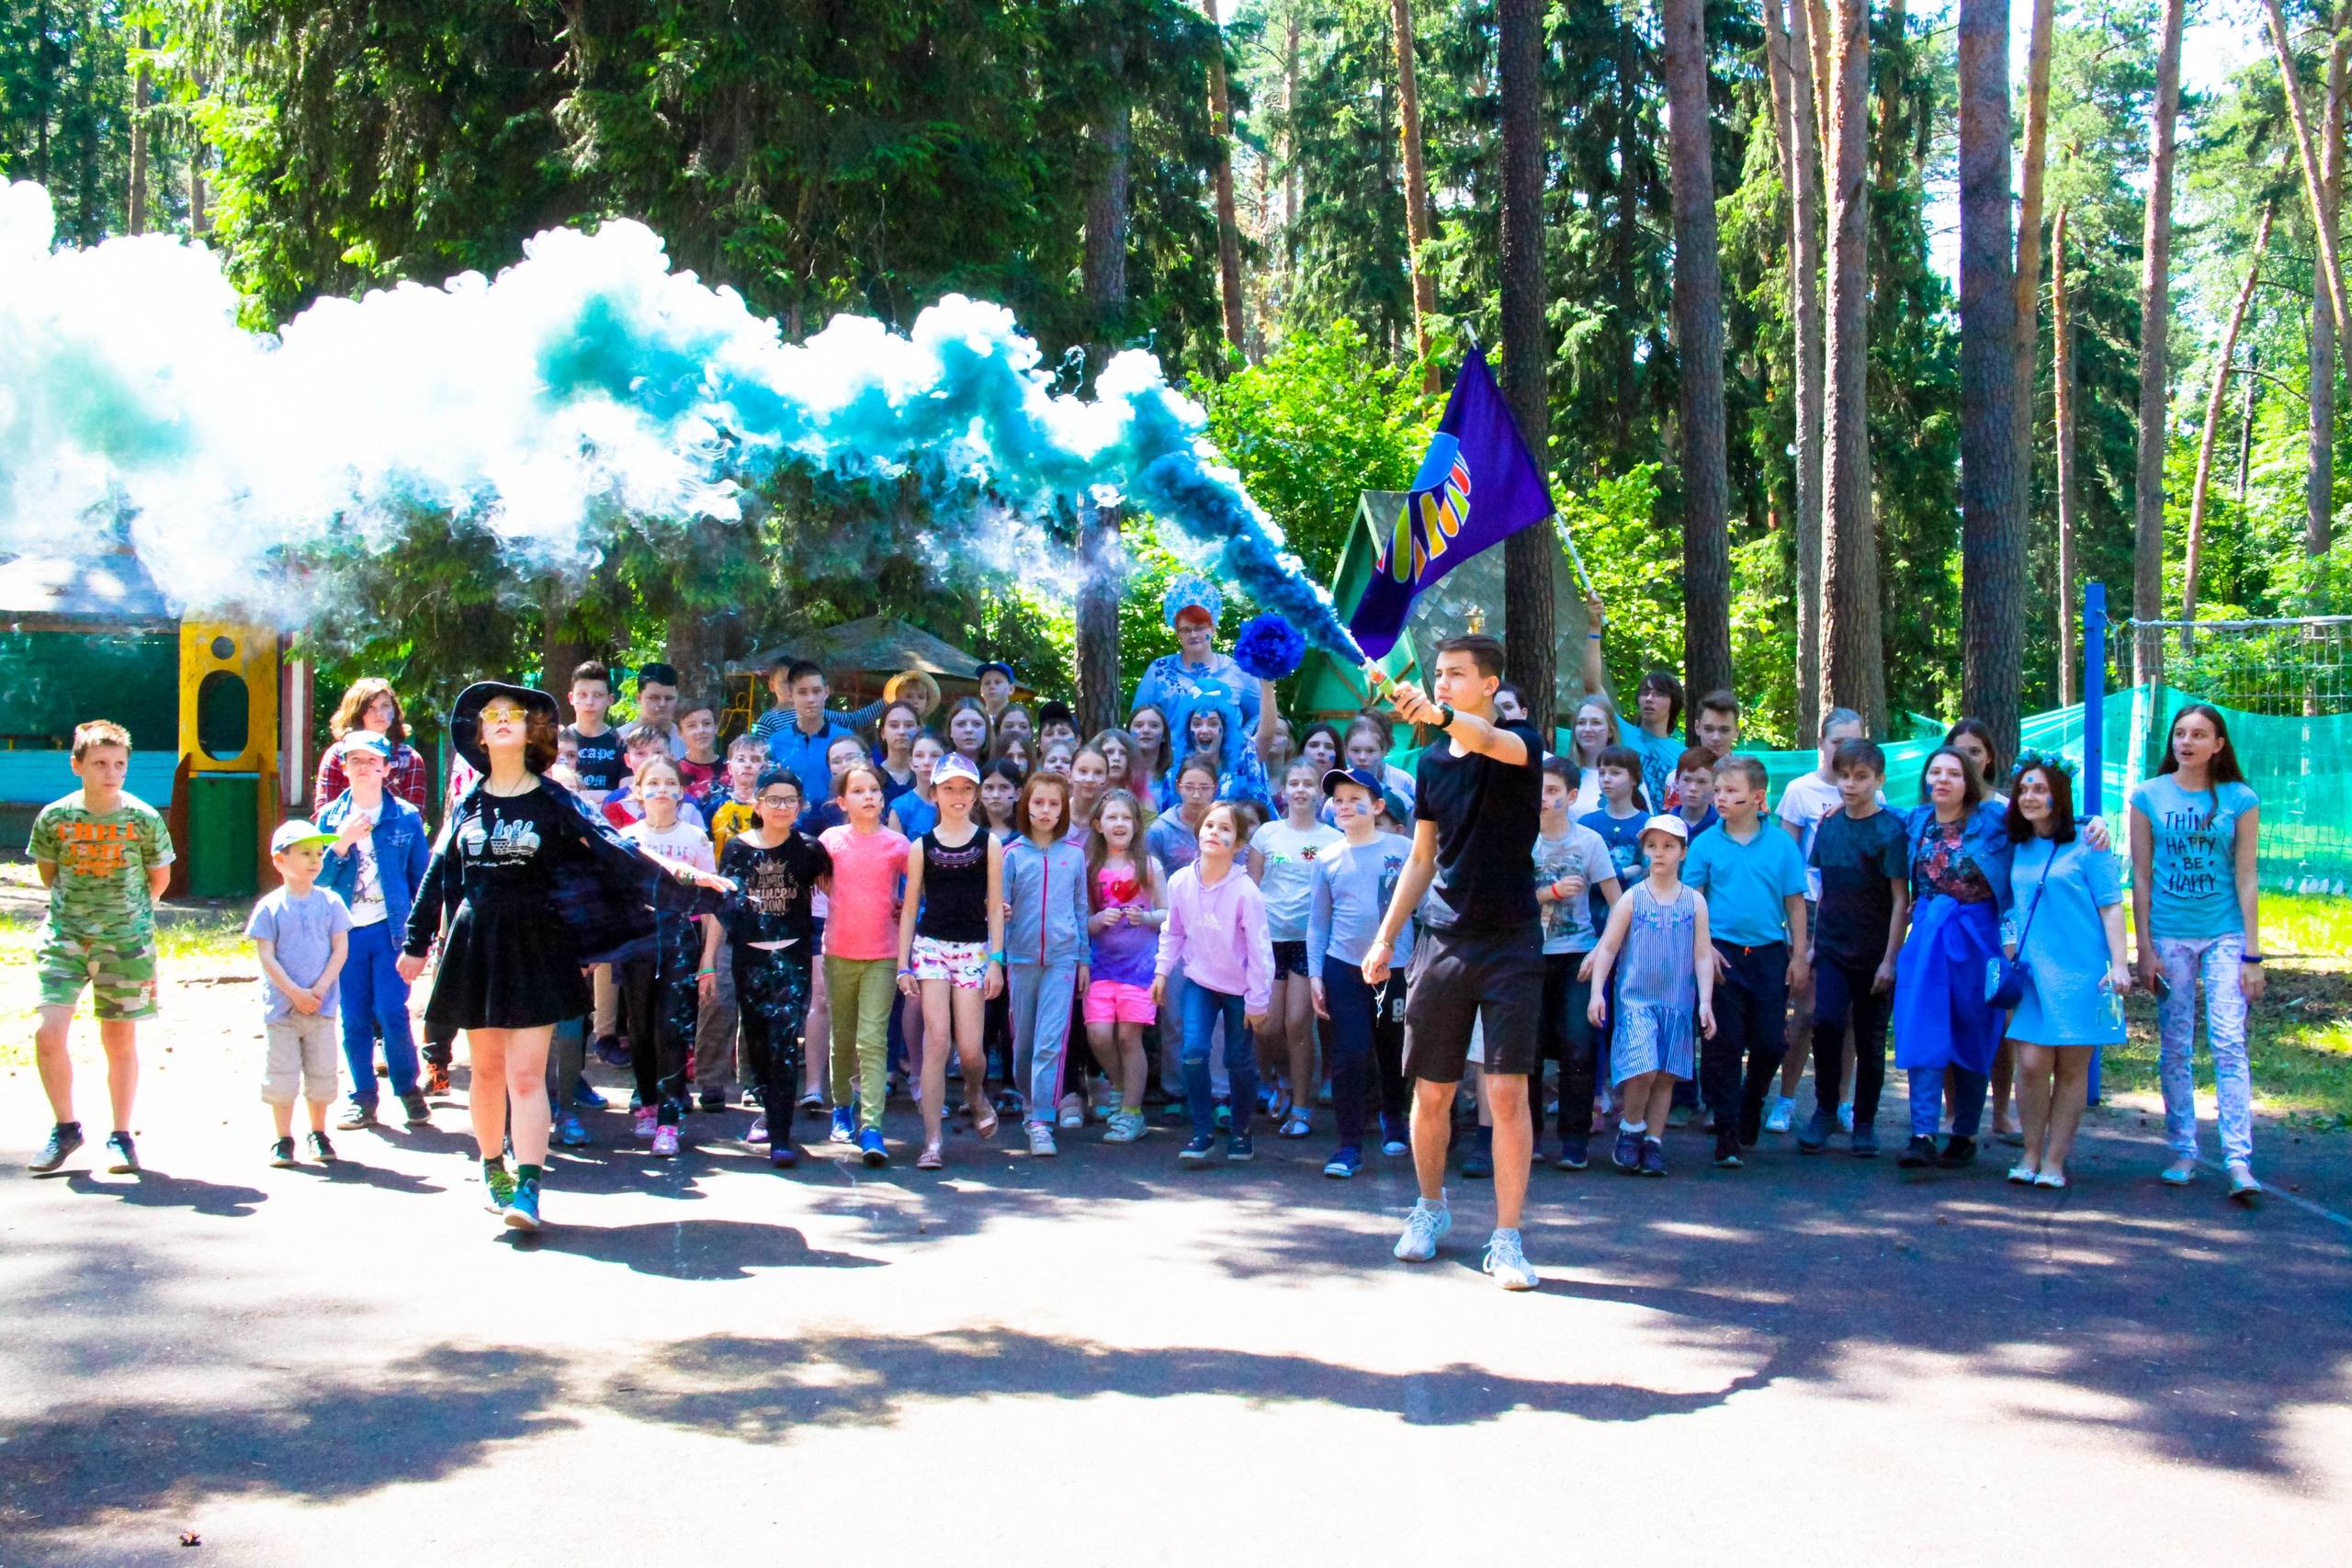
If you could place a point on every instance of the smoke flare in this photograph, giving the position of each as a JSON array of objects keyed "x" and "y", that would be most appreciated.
[{"x": 586, "y": 382}]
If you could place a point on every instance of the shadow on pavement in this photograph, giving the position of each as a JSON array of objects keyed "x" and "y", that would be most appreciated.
[
  {"x": 691, "y": 1249},
  {"x": 153, "y": 1189},
  {"x": 415, "y": 1419}
]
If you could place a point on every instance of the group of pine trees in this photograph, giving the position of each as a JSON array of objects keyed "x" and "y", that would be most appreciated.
[{"x": 1818, "y": 445}]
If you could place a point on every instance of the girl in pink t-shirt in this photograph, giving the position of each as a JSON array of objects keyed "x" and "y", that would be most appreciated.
[{"x": 862, "y": 955}]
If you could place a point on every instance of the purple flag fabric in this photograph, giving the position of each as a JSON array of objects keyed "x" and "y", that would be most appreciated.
[{"x": 1476, "y": 487}]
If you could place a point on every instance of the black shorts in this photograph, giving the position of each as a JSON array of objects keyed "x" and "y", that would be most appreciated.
[
  {"x": 1459, "y": 979},
  {"x": 1289, "y": 958}
]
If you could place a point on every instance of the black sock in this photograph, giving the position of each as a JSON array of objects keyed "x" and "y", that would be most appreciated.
[
  {"x": 526, "y": 1173},
  {"x": 495, "y": 1162},
  {"x": 68, "y": 1126}
]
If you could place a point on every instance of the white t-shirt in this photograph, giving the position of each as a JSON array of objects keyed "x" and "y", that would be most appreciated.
[
  {"x": 1567, "y": 922},
  {"x": 1804, "y": 803},
  {"x": 1288, "y": 881},
  {"x": 680, "y": 841},
  {"x": 367, "y": 886}
]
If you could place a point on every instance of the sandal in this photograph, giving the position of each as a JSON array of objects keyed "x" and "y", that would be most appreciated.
[
  {"x": 931, "y": 1158},
  {"x": 2050, "y": 1178},
  {"x": 2024, "y": 1175},
  {"x": 984, "y": 1121},
  {"x": 1294, "y": 1126}
]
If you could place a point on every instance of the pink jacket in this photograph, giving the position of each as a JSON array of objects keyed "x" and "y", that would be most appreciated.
[{"x": 1220, "y": 935}]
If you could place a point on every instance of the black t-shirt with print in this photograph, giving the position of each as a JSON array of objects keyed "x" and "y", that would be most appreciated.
[
  {"x": 772, "y": 887},
  {"x": 600, "y": 758},
  {"x": 1488, "y": 815}
]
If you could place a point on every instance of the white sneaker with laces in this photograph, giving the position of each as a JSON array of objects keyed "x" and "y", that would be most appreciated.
[
  {"x": 1425, "y": 1225},
  {"x": 1040, "y": 1139},
  {"x": 1507, "y": 1262},
  {"x": 1782, "y": 1113}
]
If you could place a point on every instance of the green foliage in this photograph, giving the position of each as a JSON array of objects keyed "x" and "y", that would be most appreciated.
[{"x": 1323, "y": 417}]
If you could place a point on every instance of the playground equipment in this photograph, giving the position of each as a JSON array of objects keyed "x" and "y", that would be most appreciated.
[{"x": 228, "y": 795}]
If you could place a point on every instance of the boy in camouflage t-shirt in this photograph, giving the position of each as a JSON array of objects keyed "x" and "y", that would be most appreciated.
[{"x": 103, "y": 855}]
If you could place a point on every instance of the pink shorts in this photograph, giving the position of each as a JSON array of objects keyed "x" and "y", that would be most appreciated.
[{"x": 1116, "y": 1002}]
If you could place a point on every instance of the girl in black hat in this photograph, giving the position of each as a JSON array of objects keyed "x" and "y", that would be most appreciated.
[{"x": 532, "y": 888}]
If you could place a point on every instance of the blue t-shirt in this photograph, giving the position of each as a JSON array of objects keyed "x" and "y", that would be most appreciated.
[
  {"x": 1747, "y": 884},
  {"x": 1624, "y": 837},
  {"x": 916, "y": 815},
  {"x": 2193, "y": 892},
  {"x": 1658, "y": 754},
  {"x": 303, "y": 930}
]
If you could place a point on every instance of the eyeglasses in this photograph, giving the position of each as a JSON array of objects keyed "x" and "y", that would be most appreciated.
[
  {"x": 502, "y": 713},
  {"x": 780, "y": 802}
]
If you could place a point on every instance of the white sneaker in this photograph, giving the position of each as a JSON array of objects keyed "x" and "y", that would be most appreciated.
[
  {"x": 1425, "y": 1225},
  {"x": 1126, "y": 1127},
  {"x": 2243, "y": 1186},
  {"x": 1784, "y": 1111},
  {"x": 1041, "y": 1140},
  {"x": 1508, "y": 1263},
  {"x": 1073, "y": 1113}
]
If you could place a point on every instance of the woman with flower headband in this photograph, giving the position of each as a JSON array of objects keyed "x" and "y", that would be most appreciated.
[
  {"x": 1191, "y": 607},
  {"x": 2066, "y": 928},
  {"x": 532, "y": 888}
]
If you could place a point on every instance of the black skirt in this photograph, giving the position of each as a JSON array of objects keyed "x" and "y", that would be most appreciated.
[{"x": 506, "y": 968}]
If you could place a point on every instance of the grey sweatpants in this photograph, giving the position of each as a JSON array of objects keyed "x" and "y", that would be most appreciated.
[{"x": 1041, "y": 996}]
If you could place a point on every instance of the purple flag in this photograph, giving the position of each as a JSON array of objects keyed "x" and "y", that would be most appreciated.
[{"x": 1476, "y": 487}]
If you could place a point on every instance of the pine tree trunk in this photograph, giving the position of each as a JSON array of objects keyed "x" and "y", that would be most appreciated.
[
  {"x": 1853, "y": 662},
  {"x": 1699, "y": 330},
  {"x": 2029, "y": 268},
  {"x": 1416, "y": 187},
  {"x": 2061, "y": 419},
  {"x": 142, "y": 93},
  {"x": 2196, "y": 550},
  {"x": 2319, "y": 481},
  {"x": 2156, "y": 315},
  {"x": 1228, "y": 227},
  {"x": 2314, "y": 177},
  {"x": 1992, "y": 508},
  {"x": 1290, "y": 176},
  {"x": 1104, "y": 275},
  {"x": 1530, "y": 555},
  {"x": 1794, "y": 115}
]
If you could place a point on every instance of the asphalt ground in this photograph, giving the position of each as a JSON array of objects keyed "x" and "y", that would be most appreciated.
[{"x": 1101, "y": 1359}]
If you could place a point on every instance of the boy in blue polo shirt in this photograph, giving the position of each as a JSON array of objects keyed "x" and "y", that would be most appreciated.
[{"x": 1755, "y": 883}]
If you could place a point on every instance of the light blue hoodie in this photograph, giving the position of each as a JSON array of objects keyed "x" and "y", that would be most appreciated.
[{"x": 1046, "y": 888}]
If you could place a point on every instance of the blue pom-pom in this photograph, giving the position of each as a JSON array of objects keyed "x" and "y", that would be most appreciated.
[{"x": 1269, "y": 648}]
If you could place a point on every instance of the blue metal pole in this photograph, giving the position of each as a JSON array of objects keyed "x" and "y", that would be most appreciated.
[
  {"x": 2093, "y": 695},
  {"x": 2094, "y": 733}
]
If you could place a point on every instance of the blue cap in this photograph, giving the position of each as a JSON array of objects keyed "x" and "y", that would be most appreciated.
[
  {"x": 1361, "y": 777},
  {"x": 365, "y": 740}
]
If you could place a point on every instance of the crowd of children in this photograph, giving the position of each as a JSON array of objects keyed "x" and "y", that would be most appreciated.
[{"x": 830, "y": 908}]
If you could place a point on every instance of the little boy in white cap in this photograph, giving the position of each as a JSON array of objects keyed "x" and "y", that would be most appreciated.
[{"x": 302, "y": 933}]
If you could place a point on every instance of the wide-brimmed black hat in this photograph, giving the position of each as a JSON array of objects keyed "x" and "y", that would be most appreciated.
[{"x": 465, "y": 717}]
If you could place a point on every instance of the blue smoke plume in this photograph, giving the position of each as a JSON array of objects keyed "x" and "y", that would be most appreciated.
[{"x": 586, "y": 382}]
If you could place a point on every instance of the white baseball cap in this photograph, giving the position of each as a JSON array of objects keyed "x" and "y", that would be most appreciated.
[{"x": 1666, "y": 822}]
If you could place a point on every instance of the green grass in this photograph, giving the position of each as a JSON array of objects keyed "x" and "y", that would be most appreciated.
[{"x": 2299, "y": 1038}]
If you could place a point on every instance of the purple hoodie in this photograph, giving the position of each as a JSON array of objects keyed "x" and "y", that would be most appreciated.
[{"x": 1220, "y": 935}]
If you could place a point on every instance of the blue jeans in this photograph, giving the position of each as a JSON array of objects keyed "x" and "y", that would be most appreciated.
[
  {"x": 1203, "y": 1007},
  {"x": 1928, "y": 1100},
  {"x": 375, "y": 1000}
]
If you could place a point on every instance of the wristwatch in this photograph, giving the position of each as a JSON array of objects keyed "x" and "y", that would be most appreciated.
[{"x": 1446, "y": 711}]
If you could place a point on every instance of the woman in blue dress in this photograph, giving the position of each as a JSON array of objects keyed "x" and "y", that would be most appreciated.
[
  {"x": 1961, "y": 852},
  {"x": 2067, "y": 927}
]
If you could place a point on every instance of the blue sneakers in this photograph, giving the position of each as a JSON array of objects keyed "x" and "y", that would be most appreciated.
[
  {"x": 1574, "y": 1153},
  {"x": 1343, "y": 1164},
  {"x": 1195, "y": 1152},
  {"x": 523, "y": 1209},
  {"x": 1627, "y": 1153},
  {"x": 584, "y": 1095},
  {"x": 1240, "y": 1150},
  {"x": 844, "y": 1126},
  {"x": 571, "y": 1133},
  {"x": 871, "y": 1149}
]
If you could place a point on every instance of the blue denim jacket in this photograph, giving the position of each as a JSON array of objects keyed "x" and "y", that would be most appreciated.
[
  {"x": 1984, "y": 838},
  {"x": 402, "y": 853}
]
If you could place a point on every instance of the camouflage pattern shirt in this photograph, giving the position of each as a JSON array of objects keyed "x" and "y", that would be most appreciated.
[{"x": 102, "y": 860}]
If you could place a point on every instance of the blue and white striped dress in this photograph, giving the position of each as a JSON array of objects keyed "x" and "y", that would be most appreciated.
[{"x": 1658, "y": 987}]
